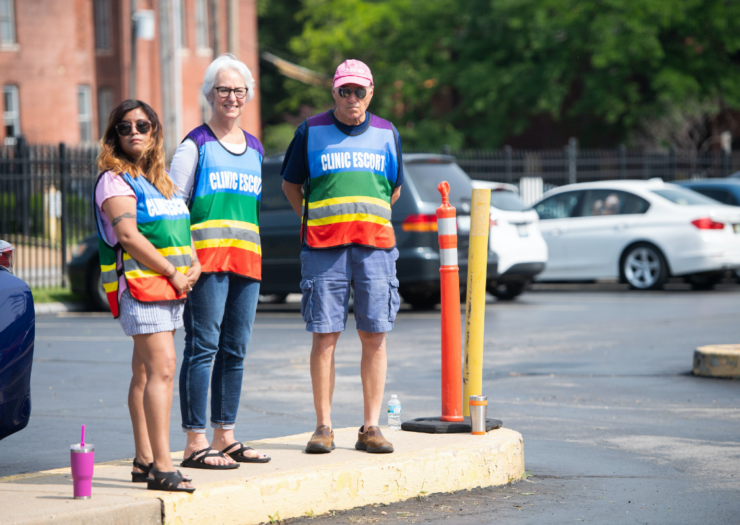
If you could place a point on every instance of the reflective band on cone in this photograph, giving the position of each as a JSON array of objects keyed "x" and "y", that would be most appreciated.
[{"x": 452, "y": 409}]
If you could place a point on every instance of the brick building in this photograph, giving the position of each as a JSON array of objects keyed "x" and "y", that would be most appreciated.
[{"x": 64, "y": 64}]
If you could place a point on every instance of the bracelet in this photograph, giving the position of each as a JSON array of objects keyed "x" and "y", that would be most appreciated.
[{"x": 174, "y": 271}]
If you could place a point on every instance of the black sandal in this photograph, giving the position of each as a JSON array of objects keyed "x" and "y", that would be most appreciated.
[
  {"x": 191, "y": 462},
  {"x": 237, "y": 455},
  {"x": 167, "y": 481},
  {"x": 141, "y": 477}
]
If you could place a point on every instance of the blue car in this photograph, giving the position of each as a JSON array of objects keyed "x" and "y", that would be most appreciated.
[
  {"x": 17, "y": 336},
  {"x": 726, "y": 191}
]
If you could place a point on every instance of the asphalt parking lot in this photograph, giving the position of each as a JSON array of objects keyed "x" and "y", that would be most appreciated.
[{"x": 596, "y": 378}]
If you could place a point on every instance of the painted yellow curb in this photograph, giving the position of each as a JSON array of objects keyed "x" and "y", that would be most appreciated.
[
  {"x": 717, "y": 361},
  {"x": 293, "y": 484},
  {"x": 460, "y": 462}
]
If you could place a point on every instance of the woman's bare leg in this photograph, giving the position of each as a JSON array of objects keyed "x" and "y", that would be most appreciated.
[
  {"x": 157, "y": 352},
  {"x": 136, "y": 409}
]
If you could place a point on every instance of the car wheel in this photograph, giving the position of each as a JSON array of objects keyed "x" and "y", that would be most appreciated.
[
  {"x": 704, "y": 281},
  {"x": 643, "y": 267},
  {"x": 737, "y": 276},
  {"x": 273, "y": 298},
  {"x": 421, "y": 300},
  {"x": 507, "y": 291},
  {"x": 95, "y": 290}
]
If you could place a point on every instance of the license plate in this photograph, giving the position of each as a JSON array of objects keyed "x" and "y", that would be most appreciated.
[
  {"x": 463, "y": 224},
  {"x": 523, "y": 230}
]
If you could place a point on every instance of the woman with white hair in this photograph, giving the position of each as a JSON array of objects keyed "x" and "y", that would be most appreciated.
[{"x": 218, "y": 168}]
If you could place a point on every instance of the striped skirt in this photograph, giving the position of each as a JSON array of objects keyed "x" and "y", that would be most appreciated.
[{"x": 139, "y": 318}]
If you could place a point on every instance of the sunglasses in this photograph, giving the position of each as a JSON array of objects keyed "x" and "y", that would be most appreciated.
[
  {"x": 124, "y": 128},
  {"x": 224, "y": 92},
  {"x": 346, "y": 92}
]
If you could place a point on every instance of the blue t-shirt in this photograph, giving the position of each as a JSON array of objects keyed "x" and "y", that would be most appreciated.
[{"x": 294, "y": 167}]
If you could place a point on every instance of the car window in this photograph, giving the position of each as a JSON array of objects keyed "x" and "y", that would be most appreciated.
[
  {"x": 612, "y": 202},
  {"x": 634, "y": 204},
  {"x": 723, "y": 196},
  {"x": 558, "y": 206},
  {"x": 507, "y": 201},
  {"x": 684, "y": 197},
  {"x": 427, "y": 176},
  {"x": 273, "y": 197}
]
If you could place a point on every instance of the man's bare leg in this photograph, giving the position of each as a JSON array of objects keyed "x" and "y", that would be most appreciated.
[
  {"x": 372, "y": 371},
  {"x": 322, "y": 375}
]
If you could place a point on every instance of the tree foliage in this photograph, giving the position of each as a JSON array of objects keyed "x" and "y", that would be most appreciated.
[{"x": 478, "y": 72}]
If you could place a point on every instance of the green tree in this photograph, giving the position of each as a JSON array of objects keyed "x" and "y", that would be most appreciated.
[
  {"x": 277, "y": 23},
  {"x": 478, "y": 72}
]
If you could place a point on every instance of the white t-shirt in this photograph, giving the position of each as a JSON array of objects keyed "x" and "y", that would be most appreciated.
[{"x": 185, "y": 161}]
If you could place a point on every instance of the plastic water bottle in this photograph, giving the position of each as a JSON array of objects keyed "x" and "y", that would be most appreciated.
[{"x": 394, "y": 413}]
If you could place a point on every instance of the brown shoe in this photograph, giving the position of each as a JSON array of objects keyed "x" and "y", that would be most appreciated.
[
  {"x": 322, "y": 441},
  {"x": 373, "y": 441}
]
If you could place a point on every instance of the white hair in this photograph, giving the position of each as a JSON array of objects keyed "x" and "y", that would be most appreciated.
[{"x": 223, "y": 62}]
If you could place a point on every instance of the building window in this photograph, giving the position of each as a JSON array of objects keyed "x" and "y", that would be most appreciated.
[
  {"x": 11, "y": 114},
  {"x": 102, "y": 24},
  {"x": 202, "y": 40},
  {"x": 7, "y": 22},
  {"x": 183, "y": 25},
  {"x": 84, "y": 113},
  {"x": 105, "y": 106}
]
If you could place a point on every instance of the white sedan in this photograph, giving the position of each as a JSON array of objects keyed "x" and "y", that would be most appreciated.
[
  {"x": 640, "y": 232},
  {"x": 516, "y": 239}
]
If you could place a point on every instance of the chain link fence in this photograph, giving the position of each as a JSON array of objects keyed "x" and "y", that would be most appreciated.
[{"x": 46, "y": 190}]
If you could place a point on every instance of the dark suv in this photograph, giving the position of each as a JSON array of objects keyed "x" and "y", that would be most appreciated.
[{"x": 414, "y": 222}]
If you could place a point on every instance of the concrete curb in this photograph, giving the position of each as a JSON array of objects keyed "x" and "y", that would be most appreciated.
[
  {"x": 717, "y": 361},
  {"x": 293, "y": 484},
  {"x": 57, "y": 308}
]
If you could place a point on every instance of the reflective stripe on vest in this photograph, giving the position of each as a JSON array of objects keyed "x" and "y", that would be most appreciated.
[
  {"x": 351, "y": 180},
  {"x": 163, "y": 222},
  {"x": 225, "y": 206}
]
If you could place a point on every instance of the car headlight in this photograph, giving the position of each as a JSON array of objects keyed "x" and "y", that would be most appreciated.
[{"x": 79, "y": 249}]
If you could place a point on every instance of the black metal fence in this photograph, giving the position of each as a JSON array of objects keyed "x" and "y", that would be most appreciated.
[
  {"x": 570, "y": 165},
  {"x": 46, "y": 190},
  {"x": 45, "y": 206}
]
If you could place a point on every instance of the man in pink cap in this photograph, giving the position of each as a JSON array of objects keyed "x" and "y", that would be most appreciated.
[{"x": 346, "y": 165}]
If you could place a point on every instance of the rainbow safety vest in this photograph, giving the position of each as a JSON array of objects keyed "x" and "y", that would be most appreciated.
[
  {"x": 351, "y": 179},
  {"x": 163, "y": 222},
  {"x": 225, "y": 205}
]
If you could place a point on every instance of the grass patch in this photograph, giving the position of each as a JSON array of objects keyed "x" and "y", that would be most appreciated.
[{"x": 56, "y": 294}]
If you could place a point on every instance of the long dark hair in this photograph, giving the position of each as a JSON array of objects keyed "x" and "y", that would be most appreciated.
[{"x": 150, "y": 164}]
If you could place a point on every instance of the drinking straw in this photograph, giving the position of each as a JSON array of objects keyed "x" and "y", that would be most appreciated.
[{"x": 82, "y": 438}]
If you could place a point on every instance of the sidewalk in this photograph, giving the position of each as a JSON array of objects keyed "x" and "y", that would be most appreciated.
[{"x": 293, "y": 484}]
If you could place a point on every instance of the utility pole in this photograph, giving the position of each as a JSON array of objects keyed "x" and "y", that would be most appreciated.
[
  {"x": 232, "y": 17},
  {"x": 132, "y": 72},
  {"x": 169, "y": 42},
  {"x": 215, "y": 40}
]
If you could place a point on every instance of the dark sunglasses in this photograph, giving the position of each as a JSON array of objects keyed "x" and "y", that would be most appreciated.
[
  {"x": 124, "y": 128},
  {"x": 359, "y": 92}
]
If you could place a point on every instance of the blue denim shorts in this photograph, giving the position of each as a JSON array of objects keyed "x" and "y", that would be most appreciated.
[{"x": 327, "y": 277}]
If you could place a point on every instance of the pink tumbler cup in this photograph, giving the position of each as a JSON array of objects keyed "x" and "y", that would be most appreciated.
[{"x": 82, "y": 457}]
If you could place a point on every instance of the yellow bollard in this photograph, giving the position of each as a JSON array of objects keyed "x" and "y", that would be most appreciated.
[{"x": 475, "y": 305}]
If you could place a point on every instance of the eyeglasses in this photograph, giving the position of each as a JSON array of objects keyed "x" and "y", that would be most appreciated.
[
  {"x": 124, "y": 128},
  {"x": 224, "y": 92},
  {"x": 346, "y": 92}
]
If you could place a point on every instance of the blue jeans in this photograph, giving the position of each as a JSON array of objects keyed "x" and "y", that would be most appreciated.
[
  {"x": 327, "y": 277},
  {"x": 219, "y": 314}
]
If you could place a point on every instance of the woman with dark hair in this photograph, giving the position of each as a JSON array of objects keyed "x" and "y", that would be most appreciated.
[{"x": 148, "y": 265}]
